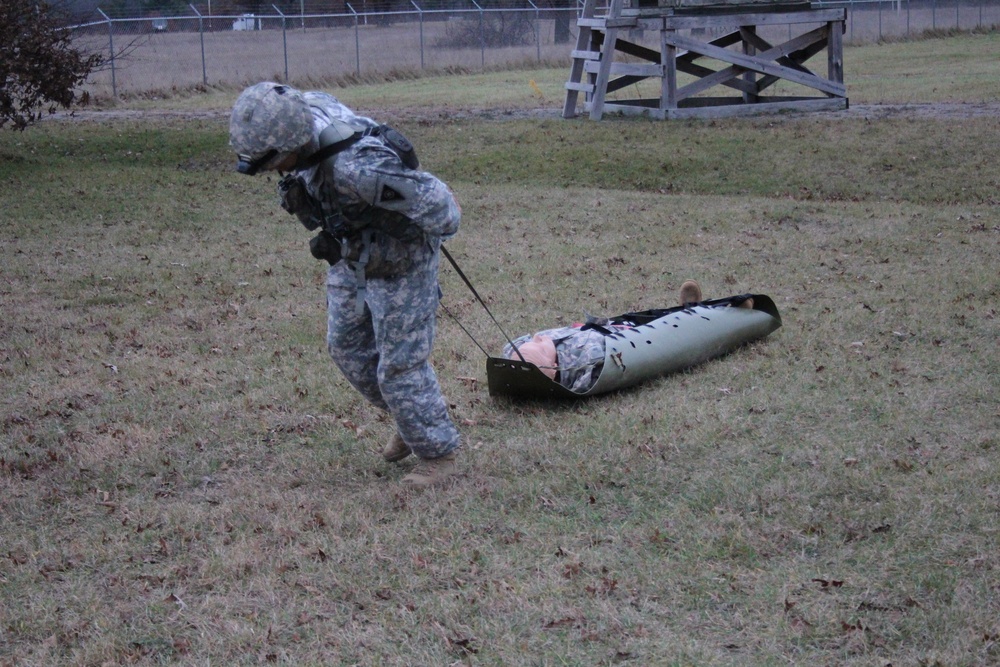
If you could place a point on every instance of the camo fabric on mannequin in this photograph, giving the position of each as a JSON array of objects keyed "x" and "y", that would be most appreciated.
[
  {"x": 384, "y": 350},
  {"x": 580, "y": 355}
]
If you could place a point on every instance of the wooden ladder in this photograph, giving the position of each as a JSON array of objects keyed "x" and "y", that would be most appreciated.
[{"x": 594, "y": 55}]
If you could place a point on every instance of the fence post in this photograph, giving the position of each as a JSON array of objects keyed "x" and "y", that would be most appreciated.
[
  {"x": 420, "y": 13},
  {"x": 111, "y": 50},
  {"x": 357, "y": 40},
  {"x": 851, "y": 23},
  {"x": 482, "y": 37},
  {"x": 201, "y": 34},
  {"x": 538, "y": 31},
  {"x": 284, "y": 40}
]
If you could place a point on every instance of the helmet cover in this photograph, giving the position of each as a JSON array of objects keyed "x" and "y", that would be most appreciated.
[{"x": 267, "y": 117}]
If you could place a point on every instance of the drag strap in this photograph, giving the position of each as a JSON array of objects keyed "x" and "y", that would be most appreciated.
[
  {"x": 462, "y": 275},
  {"x": 359, "y": 272}
]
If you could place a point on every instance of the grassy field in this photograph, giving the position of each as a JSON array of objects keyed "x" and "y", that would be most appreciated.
[{"x": 186, "y": 479}]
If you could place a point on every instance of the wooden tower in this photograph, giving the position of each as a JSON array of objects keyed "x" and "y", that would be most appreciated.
[{"x": 718, "y": 43}]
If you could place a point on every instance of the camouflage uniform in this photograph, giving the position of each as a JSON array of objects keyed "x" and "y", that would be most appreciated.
[
  {"x": 579, "y": 355},
  {"x": 382, "y": 343}
]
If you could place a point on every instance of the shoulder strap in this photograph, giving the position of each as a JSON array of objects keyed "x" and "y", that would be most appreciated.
[{"x": 331, "y": 149}]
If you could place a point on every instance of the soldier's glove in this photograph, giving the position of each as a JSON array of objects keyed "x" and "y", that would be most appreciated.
[{"x": 325, "y": 246}]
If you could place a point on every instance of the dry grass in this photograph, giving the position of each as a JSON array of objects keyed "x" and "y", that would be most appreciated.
[{"x": 185, "y": 479}]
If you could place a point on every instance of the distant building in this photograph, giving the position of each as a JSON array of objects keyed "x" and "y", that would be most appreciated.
[{"x": 247, "y": 22}]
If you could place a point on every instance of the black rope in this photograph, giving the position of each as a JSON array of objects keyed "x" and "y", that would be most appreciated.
[
  {"x": 462, "y": 327},
  {"x": 461, "y": 274}
]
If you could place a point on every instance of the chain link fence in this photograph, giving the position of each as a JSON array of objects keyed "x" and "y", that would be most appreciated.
[{"x": 150, "y": 55}]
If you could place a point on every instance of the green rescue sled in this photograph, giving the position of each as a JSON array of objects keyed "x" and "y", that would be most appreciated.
[{"x": 644, "y": 345}]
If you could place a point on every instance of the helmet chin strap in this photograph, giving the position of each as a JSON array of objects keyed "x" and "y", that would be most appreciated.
[{"x": 251, "y": 167}]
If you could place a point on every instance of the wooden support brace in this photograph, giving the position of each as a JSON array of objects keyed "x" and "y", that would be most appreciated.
[
  {"x": 750, "y": 69},
  {"x": 759, "y": 66}
]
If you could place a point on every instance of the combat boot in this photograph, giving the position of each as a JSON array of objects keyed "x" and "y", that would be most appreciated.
[
  {"x": 431, "y": 471},
  {"x": 396, "y": 450}
]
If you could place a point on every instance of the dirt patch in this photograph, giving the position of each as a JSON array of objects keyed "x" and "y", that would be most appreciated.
[
  {"x": 940, "y": 110},
  {"x": 943, "y": 110}
]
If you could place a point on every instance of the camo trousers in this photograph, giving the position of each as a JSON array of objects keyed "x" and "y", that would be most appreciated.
[{"x": 384, "y": 351}]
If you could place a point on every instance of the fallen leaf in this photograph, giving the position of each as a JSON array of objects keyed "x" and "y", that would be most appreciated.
[
  {"x": 470, "y": 382},
  {"x": 464, "y": 645},
  {"x": 799, "y": 623},
  {"x": 176, "y": 600}
]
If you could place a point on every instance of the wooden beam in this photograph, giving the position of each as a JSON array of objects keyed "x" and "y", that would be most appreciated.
[
  {"x": 793, "y": 60},
  {"x": 738, "y": 109},
  {"x": 798, "y": 43},
  {"x": 728, "y": 75},
  {"x": 704, "y": 72},
  {"x": 758, "y": 65},
  {"x": 583, "y": 42},
  {"x": 621, "y": 22},
  {"x": 624, "y": 82},
  {"x": 750, "y": 69},
  {"x": 725, "y": 40},
  {"x": 640, "y": 70},
  {"x": 668, "y": 85},
  {"x": 607, "y": 56},
  {"x": 757, "y": 19},
  {"x": 835, "y": 53},
  {"x": 637, "y": 50}
]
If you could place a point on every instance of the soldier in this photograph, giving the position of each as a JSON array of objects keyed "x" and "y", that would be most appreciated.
[{"x": 381, "y": 222}]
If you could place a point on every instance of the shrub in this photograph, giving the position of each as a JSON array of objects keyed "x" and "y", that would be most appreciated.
[
  {"x": 490, "y": 30},
  {"x": 38, "y": 66}
]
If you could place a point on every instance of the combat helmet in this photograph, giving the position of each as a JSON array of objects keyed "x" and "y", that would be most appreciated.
[{"x": 268, "y": 119}]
